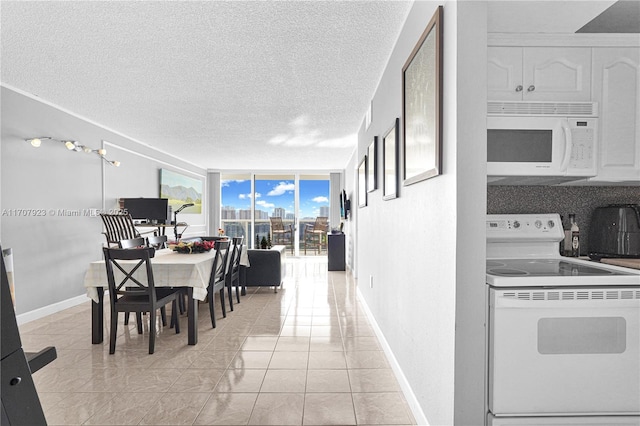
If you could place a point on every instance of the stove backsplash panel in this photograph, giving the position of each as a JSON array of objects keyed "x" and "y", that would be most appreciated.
[{"x": 581, "y": 200}]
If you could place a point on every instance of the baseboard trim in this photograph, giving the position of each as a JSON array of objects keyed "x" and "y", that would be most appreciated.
[
  {"x": 410, "y": 397},
  {"x": 50, "y": 309}
]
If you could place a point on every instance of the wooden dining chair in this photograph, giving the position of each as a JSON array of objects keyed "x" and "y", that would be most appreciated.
[
  {"x": 132, "y": 243},
  {"x": 131, "y": 294},
  {"x": 314, "y": 234},
  {"x": 233, "y": 271},
  {"x": 217, "y": 279},
  {"x": 281, "y": 234},
  {"x": 118, "y": 227},
  {"x": 157, "y": 241}
]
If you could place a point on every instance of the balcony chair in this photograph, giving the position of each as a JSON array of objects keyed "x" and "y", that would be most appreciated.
[
  {"x": 316, "y": 233},
  {"x": 281, "y": 234},
  {"x": 233, "y": 271},
  {"x": 217, "y": 279},
  {"x": 132, "y": 295},
  {"x": 118, "y": 227}
]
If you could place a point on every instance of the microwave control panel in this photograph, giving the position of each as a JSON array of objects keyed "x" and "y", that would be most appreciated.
[{"x": 582, "y": 141}]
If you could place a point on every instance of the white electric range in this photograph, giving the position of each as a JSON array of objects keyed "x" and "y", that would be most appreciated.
[{"x": 563, "y": 334}]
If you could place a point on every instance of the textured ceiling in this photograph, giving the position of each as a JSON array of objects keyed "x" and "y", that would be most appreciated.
[{"x": 222, "y": 84}]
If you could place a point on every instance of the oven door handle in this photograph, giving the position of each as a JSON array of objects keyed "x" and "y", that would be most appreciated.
[{"x": 509, "y": 302}]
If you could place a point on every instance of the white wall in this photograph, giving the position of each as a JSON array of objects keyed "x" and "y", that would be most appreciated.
[
  {"x": 52, "y": 251},
  {"x": 425, "y": 249}
]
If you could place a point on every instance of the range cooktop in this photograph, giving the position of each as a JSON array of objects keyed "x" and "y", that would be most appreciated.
[{"x": 546, "y": 268}]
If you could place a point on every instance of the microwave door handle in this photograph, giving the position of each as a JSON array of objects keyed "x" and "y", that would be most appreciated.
[{"x": 567, "y": 149}]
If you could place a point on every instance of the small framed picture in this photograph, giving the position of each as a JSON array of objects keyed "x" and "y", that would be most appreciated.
[
  {"x": 390, "y": 146},
  {"x": 362, "y": 182},
  {"x": 372, "y": 165}
]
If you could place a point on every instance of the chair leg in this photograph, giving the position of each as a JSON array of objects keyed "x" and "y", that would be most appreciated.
[
  {"x": 152, "y": 330},
  {"x": 230, "y": 296},
  {"x": 224, "y": 310},
  {"x": 211, "y": 310},
  {"x": 238, "y": 291},
  {"x": 126, "y": 318},
  {"x": 113, "y": 332},
  {"x": 139, "y": 322},
  {"x": 163, "y": 315},
  {"x": 181, "y": 304},
  {"x": 175, "y": 319}
]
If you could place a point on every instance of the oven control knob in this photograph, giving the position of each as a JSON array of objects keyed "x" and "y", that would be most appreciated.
[
  {"x": 516, "y": 224},
  {"x": 551, "y": 224},
  {"x": 538, "y": 224}
]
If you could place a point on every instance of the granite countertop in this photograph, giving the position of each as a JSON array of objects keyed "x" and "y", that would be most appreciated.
[{"x": 627, "y": 263}]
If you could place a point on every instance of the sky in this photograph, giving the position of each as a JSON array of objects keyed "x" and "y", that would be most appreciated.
[{"x": 277, "y": 193}]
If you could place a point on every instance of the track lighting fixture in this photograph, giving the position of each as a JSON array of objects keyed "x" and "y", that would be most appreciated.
[{"x": 74, "y": 146}]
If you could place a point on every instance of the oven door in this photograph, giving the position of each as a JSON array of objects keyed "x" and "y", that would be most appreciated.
[{"x": 564, "y": 351}]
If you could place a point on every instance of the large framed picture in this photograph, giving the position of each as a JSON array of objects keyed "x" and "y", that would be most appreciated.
[
  {"x": 372, "y": 165},
  {"x": 390, "y": 145},
  {"x": 422, "y": 105},
  {"x": 181, "y": 189},
  {"x": 362, "y": 182}
]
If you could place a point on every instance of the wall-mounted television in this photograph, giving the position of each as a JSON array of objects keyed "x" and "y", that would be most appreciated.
[
  {"x": 147, "y": 209},
  {"x": 345, "y": 205}
]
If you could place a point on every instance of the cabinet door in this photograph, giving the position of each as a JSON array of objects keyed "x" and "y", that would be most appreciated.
[
  {"x": 616, "y": 86},
  {"x": 504, "y": 73},
  {"x": 557, "y": 74}
]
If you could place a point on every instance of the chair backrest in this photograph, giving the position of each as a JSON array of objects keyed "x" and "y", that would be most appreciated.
[
  {"x": 133, "y": 277},
  {"x": 276, "y": 224},
  {"x": 131, "y": 243},
  {"x": 157, "y": 241},
  {"x": 322, "y": 223},
  {"x": 118, "y": 227},
  {"x": 236, "y": 251},
  {"x": 218, "y": 270}
]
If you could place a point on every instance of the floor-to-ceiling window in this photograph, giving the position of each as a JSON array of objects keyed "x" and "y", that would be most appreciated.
[
  {"x": 236, "y": 194},
  {"x": 274, "y": 197},
  {"x": 248, "y": 201},
  {"x": 314, "y": 203}
]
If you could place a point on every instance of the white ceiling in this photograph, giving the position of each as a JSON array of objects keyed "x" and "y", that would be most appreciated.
[
  {"x": 222, "y": 84},
  {"x": 247, "y": 85}
]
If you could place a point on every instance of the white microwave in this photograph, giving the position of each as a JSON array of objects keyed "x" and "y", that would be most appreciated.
[{"x": 542, "y": 142}]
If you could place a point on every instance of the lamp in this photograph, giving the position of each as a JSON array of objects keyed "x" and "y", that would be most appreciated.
[
  {"x": 73, "y": 146},
  {"x": 175, "y": 219}
]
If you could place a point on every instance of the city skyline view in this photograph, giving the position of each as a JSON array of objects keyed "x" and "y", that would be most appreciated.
[{"x": 273, "y": 195}]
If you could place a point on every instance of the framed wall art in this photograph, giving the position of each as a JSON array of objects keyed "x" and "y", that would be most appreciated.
[
  {"x": 390, "y": 145},
  {"x": 372, "y": 165},
  {"x": 362, "y": 182},
  {"x": 181, "y": 189},
  {"x": 422, "y": 105}
]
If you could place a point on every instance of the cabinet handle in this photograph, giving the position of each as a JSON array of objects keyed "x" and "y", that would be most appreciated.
[
  {"x": 15, "y": 381},
  {"x": 519, "y": 88},
  {"x": 531, "y": 88}
]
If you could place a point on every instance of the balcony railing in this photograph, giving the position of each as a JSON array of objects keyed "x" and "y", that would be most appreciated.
[{"x": 242, "y": 227}]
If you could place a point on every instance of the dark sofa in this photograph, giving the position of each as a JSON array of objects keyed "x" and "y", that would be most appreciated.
[{"x": 266, "y": 268}]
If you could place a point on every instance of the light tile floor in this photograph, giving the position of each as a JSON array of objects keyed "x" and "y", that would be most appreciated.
[{"x": 306, "y": 355}]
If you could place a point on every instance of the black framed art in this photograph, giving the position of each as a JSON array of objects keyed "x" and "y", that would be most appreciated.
[
  {"x": 390, "y": 145},
  {"x": 362, "y": 182},
  {"x": 422, "y": 105},
  {"x": 372, "y": 165}
]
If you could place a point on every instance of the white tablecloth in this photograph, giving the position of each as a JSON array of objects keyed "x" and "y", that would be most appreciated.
[{"x": 170, "y": 269}]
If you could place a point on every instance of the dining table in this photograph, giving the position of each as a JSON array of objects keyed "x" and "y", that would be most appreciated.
[{"x": 170, "y": 269}]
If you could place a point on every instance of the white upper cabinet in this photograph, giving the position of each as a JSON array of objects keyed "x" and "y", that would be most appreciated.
[
  {"x": 616, "y": 86},
  {"x": 539, "y": 73}
]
